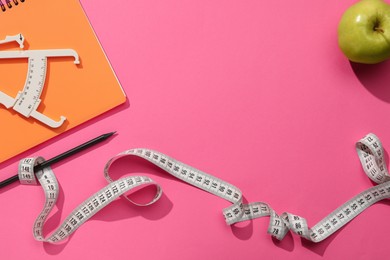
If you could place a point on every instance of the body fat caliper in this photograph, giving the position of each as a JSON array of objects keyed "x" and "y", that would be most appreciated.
[{"x": 27, "y": 101}]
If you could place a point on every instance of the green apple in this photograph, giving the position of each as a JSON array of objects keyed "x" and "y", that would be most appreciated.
[{"x": 364, "y": 32}]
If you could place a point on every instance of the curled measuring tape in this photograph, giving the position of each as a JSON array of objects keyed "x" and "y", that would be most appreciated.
[{"x": 369, "y": 149}]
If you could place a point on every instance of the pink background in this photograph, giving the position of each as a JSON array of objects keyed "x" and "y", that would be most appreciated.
[{"x": 254, "y": 92}]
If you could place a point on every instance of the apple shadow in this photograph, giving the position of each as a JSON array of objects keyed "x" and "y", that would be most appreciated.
[{"x": 375, "y": 78}]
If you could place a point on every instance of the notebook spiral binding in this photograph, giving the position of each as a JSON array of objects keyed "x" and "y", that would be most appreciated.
[{"x": 9, "y": 4}]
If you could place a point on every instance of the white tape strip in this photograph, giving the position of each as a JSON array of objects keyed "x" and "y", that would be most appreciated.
[
  {"x": 83, "y": 212},
  {"x": 369, "y": 150}
]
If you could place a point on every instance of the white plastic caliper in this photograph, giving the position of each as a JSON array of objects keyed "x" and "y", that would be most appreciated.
[{"x": 27, "y": 101}]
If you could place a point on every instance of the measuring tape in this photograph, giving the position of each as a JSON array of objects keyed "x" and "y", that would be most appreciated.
[
  {"x": 27, "y": 101},
  {"x": 369, "y": 149}
]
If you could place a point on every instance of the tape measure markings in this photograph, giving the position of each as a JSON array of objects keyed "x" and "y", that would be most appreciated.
[
  {"x": 369, "y": 149},
  {"x": 83, "y": 212}
]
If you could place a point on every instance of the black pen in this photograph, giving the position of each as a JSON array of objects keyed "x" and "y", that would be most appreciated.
[{"x": 60, "y": 157}]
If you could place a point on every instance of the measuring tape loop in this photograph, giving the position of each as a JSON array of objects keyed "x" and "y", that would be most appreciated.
[
  {"x": 370, "y": 153},
  {"x": 371, "y": 156},
  {"x": 86, "y": 209}
]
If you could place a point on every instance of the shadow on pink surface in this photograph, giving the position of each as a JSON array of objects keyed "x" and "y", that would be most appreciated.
[
  {"x": 319, "y": 248},
  {"x": 243, "y": 230},
  {"x": 375, "y": 78},
  {"x": 287, "y": 243}
]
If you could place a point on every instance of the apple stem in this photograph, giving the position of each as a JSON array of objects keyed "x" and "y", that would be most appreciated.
[{"x": 377, "y": 29}]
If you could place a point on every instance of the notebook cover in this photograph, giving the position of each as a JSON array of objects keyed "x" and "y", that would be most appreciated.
[{"x": 78, "y": 92}]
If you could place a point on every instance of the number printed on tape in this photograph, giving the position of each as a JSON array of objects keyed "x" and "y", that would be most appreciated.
[{"x": 369, "y": 150}]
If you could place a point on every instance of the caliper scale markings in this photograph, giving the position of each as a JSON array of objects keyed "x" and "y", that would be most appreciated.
[{"x": 27, "y": 101}]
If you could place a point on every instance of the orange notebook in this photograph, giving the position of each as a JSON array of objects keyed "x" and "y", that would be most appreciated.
[{"x": 57, "y": 34}]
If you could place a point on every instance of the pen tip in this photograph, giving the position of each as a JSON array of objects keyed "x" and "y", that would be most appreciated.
[{"x": 108, "y": 134}]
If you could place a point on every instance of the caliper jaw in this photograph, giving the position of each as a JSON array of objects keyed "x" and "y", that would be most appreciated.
[
  {"x": 6, "y": 100},
  {"x": 9, "y": 102},
  {"x": 23, "y": 103}
]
